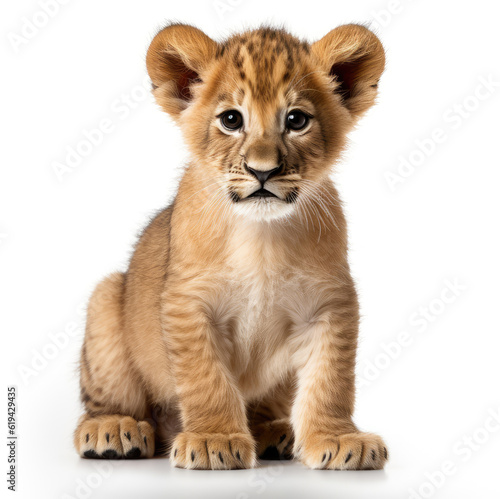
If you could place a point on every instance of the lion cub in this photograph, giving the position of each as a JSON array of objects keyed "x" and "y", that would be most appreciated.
[{"x": 233, "y": 333}]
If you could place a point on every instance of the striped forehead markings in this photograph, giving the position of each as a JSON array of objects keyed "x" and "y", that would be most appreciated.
[{"x": 264, "y": 59}]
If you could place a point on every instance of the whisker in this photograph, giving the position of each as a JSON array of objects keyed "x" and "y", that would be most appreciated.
[
  {"x": 202, "y": 189},
  {"x": 323, "y": 199}
]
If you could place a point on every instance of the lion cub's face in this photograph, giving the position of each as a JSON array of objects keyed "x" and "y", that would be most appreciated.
[{"x": 265, "y": 114}]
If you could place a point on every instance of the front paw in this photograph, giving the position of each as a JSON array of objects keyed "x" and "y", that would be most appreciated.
[
  {"x": 213, "y": 451},
  {"x": 351, "y": 451}
]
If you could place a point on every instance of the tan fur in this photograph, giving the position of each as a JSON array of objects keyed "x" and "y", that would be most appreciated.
[{"x": 234, "y": 330}]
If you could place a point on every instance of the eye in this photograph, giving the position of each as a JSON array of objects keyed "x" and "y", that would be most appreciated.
[
  {"x": 231, "y": 120},
  {"x": 296, "y": 120}
]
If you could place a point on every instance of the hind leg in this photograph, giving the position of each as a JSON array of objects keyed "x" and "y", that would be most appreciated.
[
  {"x": 270, "y": 425},
  {"x": 111, "y": 391},
  {"x": 114, "y": 437},
  {"x": 274, "y": 439}
]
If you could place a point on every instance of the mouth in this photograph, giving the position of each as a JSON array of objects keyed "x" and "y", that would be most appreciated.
[{"x": 262, "y": 193}]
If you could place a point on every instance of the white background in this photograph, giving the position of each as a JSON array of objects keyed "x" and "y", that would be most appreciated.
[{"x": 60, "y": 236}]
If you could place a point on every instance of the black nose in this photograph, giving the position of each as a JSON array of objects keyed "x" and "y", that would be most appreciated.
[{"x": 261, "y": 175}]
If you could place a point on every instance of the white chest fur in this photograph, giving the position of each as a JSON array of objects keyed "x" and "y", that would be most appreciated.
[{"x": 265, "y": 303}]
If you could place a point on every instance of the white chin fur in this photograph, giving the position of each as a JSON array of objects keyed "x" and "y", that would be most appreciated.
[{"x": 263, "y": 209}]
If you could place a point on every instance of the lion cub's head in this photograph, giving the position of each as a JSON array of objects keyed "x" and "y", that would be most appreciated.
[{"x": 265, "y": 114}]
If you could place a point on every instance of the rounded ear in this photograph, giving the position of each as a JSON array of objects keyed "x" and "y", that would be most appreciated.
[
  {"x": 355, "y": 59},
  {"x": 175, "y": 61}
]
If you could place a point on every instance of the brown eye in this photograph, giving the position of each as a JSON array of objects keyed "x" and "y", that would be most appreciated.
[
  {"x": 231, "y": 120},
  {"x": 296, "y": 120}
]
